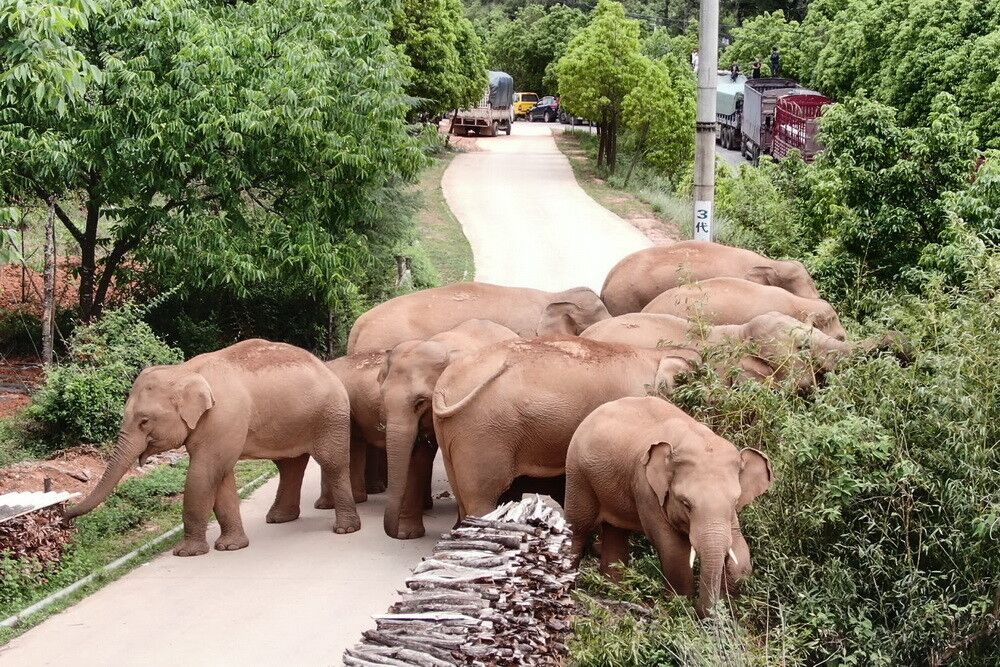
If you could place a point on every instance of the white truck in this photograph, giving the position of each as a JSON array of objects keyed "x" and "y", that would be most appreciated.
[{"x": 494, "y": 112}]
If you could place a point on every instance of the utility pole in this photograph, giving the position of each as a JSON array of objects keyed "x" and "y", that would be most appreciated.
[{"x": 704, "y": 155}]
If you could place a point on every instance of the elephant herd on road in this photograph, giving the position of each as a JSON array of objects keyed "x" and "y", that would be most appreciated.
[{"x": 509, "y": 384}]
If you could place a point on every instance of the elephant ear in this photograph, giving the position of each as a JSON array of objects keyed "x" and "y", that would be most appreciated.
[
  {"x": 667, "y": 370},
  {"x": 193, "y": 398},
  {"x": 755, "y": 476},
  {"x": 383, "y": 370},
  {"x": 560, "y": 318},
  {"x": 764, "y": 275},
  {"x": 659, "y": 470}
]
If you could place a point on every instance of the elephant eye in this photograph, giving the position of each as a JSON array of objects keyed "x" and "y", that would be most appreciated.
[
  {"x": 686, "y": 503},
  {"x": 144, "y": 421},
  {"x": 419, "y": 403}
]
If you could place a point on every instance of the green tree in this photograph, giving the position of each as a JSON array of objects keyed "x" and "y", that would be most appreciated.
[
  {"x": 228, "y": 144},
  {"x": 527, "y": 47},
  {"x": 602, "y": 64},
  {"x": 660, "y": 111},
  {"x": 444, "y": 51},
  {"x": 755, "y": 38}
]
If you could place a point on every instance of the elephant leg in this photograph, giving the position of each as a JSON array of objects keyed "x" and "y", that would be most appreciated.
[
  {"x": 673, "y": 548},
  {"x": 376, "y": 470},
  {"x": 359, "y": 458},
  {"x": 287, "y": 500},
  {"x": 332, "y": 451},
  {"x": 479, "y": 480},
  {"x": 227, "y": 512},
  {"x": 425, "y": 468},
  {"x": 203, "y": 479},
  {"x": 614, "y": 550},
  {"x": 582, "y": 513}
]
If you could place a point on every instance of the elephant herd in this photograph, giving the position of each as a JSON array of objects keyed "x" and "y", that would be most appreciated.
[{"x": 509, "y": 383}]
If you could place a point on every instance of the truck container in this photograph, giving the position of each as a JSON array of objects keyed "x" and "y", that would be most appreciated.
[
  {"x": 729, "y": 110},
  {"x": 796, "y": 121},
  {"x": 759, "y": 99},
  {"x": 494, "y": 112}
]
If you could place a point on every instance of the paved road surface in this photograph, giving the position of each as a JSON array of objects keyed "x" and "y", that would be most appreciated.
[
  {"x": 529, "y": 223},
  {"x": 300, "y": 594}
]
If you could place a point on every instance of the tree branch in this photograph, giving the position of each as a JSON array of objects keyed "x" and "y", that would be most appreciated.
[{"x": 61, "y": 214}]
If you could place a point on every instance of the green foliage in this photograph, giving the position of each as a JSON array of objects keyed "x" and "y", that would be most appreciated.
[
  {"x": 448, "y": 65},
  {"x": 232, "y": 144},
  {"x": 755, "y": 38},
  {"x": 660, "y": 111},
  {"x": 83, "y": 400},
  {"x": 528, "y": 46}
]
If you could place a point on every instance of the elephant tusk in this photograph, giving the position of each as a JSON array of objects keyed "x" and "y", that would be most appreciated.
[
  {"x": 691, "y": 559},
  {"x": 733, "y": 557}
]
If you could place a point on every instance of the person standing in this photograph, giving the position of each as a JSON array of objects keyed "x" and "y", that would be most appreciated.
[
  {"x": 755, "y": 70},
  {"x": 775, "y": 62}
]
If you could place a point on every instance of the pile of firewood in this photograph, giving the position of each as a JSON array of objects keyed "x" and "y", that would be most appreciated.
[
  {"x": 496, "y": 591},
  {"x": 41, "y": 535}
]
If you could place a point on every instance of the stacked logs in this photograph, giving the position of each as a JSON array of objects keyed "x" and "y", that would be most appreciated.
[{"x": 495, "y": 591}]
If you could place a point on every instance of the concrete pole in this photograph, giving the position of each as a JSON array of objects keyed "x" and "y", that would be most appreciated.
[{"x": 704, "y": 155}]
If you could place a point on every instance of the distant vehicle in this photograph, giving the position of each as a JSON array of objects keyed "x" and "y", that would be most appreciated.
[
  {"x": 796, "y": 119},
  {"x": 729, "y": 110},
  {"x": 547, "y": 110},
  {"x": 494, "y": 112},
  {"x": 802, "y": 109},
  {"x": 523, "y": 103}
]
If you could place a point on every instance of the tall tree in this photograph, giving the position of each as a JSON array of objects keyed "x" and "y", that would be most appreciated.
[
  {"x": 602, "y": 64},
  {"x": 527, "y": 47},
  {"x": 445, "y": 53},
  {"x": 234, "y": 143}
]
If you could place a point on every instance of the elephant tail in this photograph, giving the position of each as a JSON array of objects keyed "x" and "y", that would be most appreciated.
[{"x": 444, "y": 411}]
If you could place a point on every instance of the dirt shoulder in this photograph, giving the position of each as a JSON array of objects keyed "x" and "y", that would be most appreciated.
[
  {"x": 440, "y": 232},
  {"x": 659, "y": 228}
]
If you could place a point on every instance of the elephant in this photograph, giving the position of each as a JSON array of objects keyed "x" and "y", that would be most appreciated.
[
  {"x": 643, "y": 465},
  {"x": 642, "y": 276},
  {"x": 736, "y": 301},
  {"x": 510, "y": 409},
  {"x": 775, "y": 339},
  {"x": 359, "y": 373},
  {"x": 528, "y": 312},
  {"x": 252, "y": 400},
  {"x": 411, "y": 371}
]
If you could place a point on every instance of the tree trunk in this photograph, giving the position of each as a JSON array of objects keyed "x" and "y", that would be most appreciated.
[
  {"x": 638, "y": 153},
  {"x": 49, "y": 299},
  {"x": 612, "y": 153},
  {"x": 602, "y": 135}
]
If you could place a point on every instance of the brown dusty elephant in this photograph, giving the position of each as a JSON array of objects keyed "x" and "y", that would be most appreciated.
[
  {"x": 510, "y": 409},
  {"x": 776, "y": 339},
  {"x": 642, "y": 276},
  {"x": 642, "y": 465},
  {"x": 411, "y": 372},
  {"x": 735, "y": 301},
  {"x": 359, "y": 373},
  {"x": 528, "y": 312},
  {"x": 252, "y": 400}
]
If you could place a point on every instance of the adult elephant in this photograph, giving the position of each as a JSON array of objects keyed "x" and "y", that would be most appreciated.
[
  {"x": 527, "y": 312},
  {"x": 776, "y": 339},
  {"x": 360, "y": 375},
  {"x": 736, "y": 301},
  {"x": 412, "y": 370},
  {"x": 252, "y": 400},
  {"x": 510, "y": 410},
  {"x": 642, "y": 276}
]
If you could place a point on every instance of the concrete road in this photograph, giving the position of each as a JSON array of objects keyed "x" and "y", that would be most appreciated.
[
  {"x": 297, "y": 596},
  {"x": 300, "y": 594},
  {"x": 529, "y": 223}
]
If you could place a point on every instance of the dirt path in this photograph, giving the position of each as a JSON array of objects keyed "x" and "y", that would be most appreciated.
[
  {"x": 300, "y": 594},
  {"x": 529, "y": 223}
]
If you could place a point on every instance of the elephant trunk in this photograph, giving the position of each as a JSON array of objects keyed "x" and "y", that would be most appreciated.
[
  {"x": 712, "y": 545},
  {"x": 127, "y": 450},
  {"x": 891, "y": 341},
  {"x": 400, "y": 436}
]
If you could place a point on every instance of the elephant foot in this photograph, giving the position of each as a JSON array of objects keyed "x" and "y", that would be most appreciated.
[
  {"x": 375, "y": 486},
  {"x": 282, "y": 515},
  {"x": 324, "y": 503},
  {"x": 231, "y": 542},
  {"x": 191, "y": 548},
  {"x": 428, "y": 503},
  {"x": 347, "y": 524},
  {"x": 410, "y": 532}
]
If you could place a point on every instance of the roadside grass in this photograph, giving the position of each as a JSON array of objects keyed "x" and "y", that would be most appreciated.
[
  {"x": 141, "y": 509},
  {"x": 645, "y": 197},
  {"x": 441, "y": 236}
]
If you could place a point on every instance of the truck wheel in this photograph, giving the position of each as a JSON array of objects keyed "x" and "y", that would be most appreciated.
[
  {"x": 507, "y": 129},
  {"x": 494, "y": 129},
  {"x": 548, "y": 117}
]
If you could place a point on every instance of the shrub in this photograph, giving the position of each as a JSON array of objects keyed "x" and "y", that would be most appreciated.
[{"x": 83, "y": 399}]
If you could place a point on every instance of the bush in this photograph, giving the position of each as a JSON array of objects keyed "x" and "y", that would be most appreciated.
[{"x": 83, "y": 399}]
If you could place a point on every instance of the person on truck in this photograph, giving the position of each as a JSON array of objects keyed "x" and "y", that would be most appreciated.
[
  {"x": 775, "y": 62},
  {"x": 734, "y": 71},
  {"x": 755, "y": 71}
]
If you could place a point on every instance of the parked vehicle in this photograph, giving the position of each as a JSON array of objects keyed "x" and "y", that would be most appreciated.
[
  {"x": 494, "y": 112},
  {"x": 523, "y": 102},
  {"x": 796, "y": 120},
  {"x": 759, "y": 99},
  {"x": 567, "y": 118},
  {"x": 546, "y": 110},
  {"x": 729, "y": 110}
]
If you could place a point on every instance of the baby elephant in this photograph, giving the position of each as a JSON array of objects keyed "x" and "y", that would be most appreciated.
[
  {"x": 641, "y": 464},
  {"x": 252, "y": 400}
]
